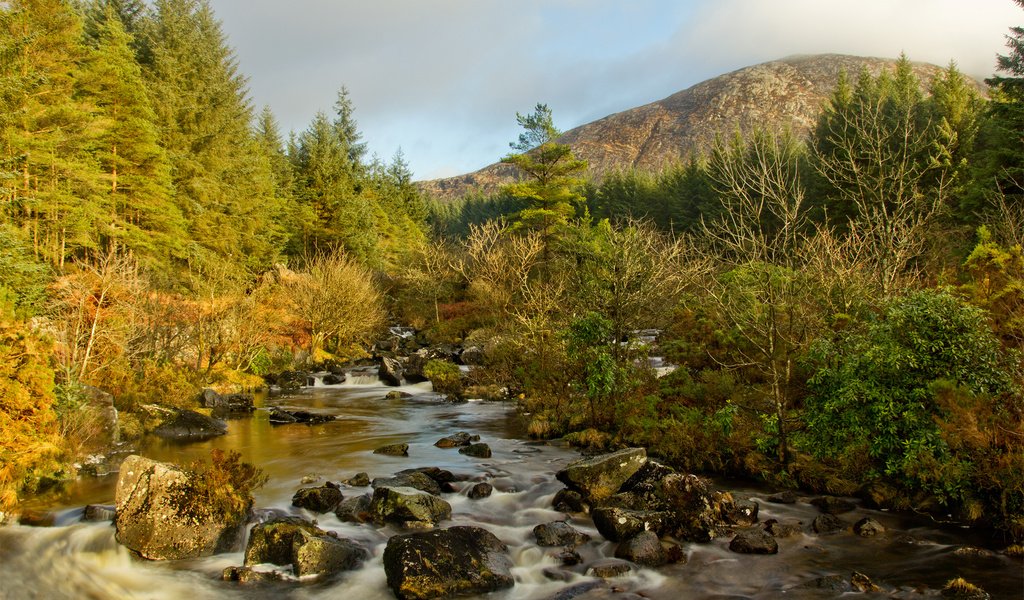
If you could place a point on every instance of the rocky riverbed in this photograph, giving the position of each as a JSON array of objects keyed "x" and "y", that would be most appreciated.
[{"x": 518, "y": 518}]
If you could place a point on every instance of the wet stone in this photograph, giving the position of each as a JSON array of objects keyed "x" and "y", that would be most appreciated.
[
  {"x": 480, "y": 490},
  {"x": 96, "y": 513},
  {"x": 643, "y": 549},
  {"x": 827, "y": 523},
  {"x": 783, "y": 497},
  {"x": 782, "y": 530},
  {"x": 754, "y": 541},
  {"x": 479, "y": 450},
  {"x": 358, "y": 480},
  {"x": 832, "y": 505},
  {"x": 559, "y": 533},
  {"x": 355, "y": 509},
  {"x": 868, "y": 527},
  {"x": 569, "y": 501},
  {"x": 609, "y": 567},
  {"x": 413, "y": 479},
  {"x": 456, "y": 440},
  {"x": 323, "y": 499},
  {"x": 862, "y": 583},
  {"x": 393, "y": 450}
]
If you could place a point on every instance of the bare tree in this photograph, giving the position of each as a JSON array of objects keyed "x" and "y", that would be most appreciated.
[{"x": 337, "y": 299}]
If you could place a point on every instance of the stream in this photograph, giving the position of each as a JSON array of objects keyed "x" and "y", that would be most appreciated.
[{"x": 914, "y": 558}]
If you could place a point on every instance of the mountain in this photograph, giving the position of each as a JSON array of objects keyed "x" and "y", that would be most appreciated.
[{"x": 790, "y": 92}]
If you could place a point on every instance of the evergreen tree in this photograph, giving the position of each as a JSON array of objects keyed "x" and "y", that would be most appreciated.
[
  {"x": 137, "y": 191},
  {"x": 201, "y": 104},
  {"x": 999, "y": 162},
  {"x": 552, "y": 176},
  {"x": 49, "y": 181}
]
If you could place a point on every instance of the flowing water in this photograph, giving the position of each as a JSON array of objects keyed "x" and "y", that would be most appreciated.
[{"x": 82, "y": 560}]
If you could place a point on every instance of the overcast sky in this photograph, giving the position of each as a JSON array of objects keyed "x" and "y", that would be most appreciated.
[{"x": 443, "y": 79}]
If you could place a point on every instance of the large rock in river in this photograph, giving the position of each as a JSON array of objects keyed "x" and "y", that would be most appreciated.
[
  {"x": 160, "y": 517},
  {"x": 190, "y": 425},
  {"x": 447, "y": 562},
  {"x": 599, "y": 477},
  {"x": 408, "y": 506},
  {"x": 305, "y": 547}
]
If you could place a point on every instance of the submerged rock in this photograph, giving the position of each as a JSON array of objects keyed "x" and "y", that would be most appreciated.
[
  {"x": 455, "y": 440},
  {"x": 361, "y": 479},
  {"x": 248, "y": 575},
  {"x": 190, "y": 425},
  {"x": 599, "y": 477},
  {"x": 783, "y": 497},
  {"x": 476, "y": 450},
  {"x": 408, "y": 506},
  {"x": 447, "y": 562},
  {"x": 868, "y": 527},
  {"x": 321, "y": 499},
  {"x": 393, "y": 450},
  {"x": 827, "y": 523},
  {"x": 782, "y": 530},
  {"x": 95, "y": 513},
  {"x": 961, "y": 589},
  {"x": 159, "y": 517},
  {"x": 609, "y": 567},
  {"x": 559, "y": 533},
  {"x": 832, "y": 505},
  {"x": 280, "y": 416}
]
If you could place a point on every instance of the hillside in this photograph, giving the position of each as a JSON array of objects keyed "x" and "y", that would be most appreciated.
[{"x": 784, "y": 93}]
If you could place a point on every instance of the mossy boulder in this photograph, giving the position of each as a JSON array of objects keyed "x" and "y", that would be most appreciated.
[
  {"x": 393, "y": 450},
  {"x": 447, "y": 562},
  {"x": 408, "y": 506},
  {"x": 160, "y": 518},
  {"x": 601, "y": 476},
  {"x": 321, "y": 499},
  {"x": 479, "y": 450},
  {"x": 620, "y": 524},
  {"x": 414, "y": 479},
  {"x": 308, "y": 549}
]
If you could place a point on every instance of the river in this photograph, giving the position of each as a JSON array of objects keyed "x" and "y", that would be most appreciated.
[{"x": 72, "y": 559}]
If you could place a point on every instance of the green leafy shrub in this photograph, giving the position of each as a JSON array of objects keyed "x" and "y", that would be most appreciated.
[
  {"x": 445, "y": 377},
  {"x": 883, "y": 399}
]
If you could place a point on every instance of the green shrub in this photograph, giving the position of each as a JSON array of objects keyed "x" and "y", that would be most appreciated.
[
  {"x": 445, "y": 377},
  {"x": 885, "y": 399}
]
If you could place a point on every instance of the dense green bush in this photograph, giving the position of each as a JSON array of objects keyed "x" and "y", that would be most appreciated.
[
  {"x": 445, "y": 377},
  {"x": 879, "y": 397}
]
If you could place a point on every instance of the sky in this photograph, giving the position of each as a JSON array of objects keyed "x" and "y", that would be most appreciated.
[{"x": 444, "y": 79}]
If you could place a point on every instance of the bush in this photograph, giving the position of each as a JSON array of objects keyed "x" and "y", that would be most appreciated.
[
  {"x": 445, "y": 377},
  {"x": 30, "y": 445},
  {"x": 225, "y": 484},
  {"x": 892, "y": 399}
]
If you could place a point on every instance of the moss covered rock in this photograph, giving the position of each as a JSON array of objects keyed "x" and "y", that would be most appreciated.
[
  {"x": 599, "y": 477},
  {"x": 408, "y": 506},
  {"x": 447, "y": 562}
]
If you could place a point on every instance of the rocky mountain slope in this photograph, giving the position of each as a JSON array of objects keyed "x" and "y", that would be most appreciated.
[{"x": 784, "y": 93}]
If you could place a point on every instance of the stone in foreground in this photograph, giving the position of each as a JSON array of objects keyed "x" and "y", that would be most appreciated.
[
  {"x": 601, "y": 476},
  {"x": 559, "y": 533},
  {"x": 159, "y": 517},
  {"x": 446, "y": 562}
]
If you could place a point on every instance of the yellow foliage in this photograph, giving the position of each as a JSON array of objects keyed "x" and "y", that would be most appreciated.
[{"x": 30, "y": 445}]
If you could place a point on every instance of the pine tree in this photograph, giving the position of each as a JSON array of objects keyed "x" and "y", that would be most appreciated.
[
  {"x": 137, "y": 191},
  {"x": 201, "y": 104},
  {"x": 552, "y": 176}
]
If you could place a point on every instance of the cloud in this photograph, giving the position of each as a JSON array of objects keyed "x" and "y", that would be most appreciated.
[{"x": 443, "y": 79}]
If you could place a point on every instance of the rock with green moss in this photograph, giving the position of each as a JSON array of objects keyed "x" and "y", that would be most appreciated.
[
  {"x": 599, "y": 477},
  {"x": 408, "y": 506},
  {"x": 308, "y": 549},
  {"x": 415, "y": 479},
  {"x": 961, "y": 589},
  {"x": 447, "y": 562},
  {"x": 159, "y": 517},
  {"x": 321, "y": 499},
  {"x": 190, "y": 425}
]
